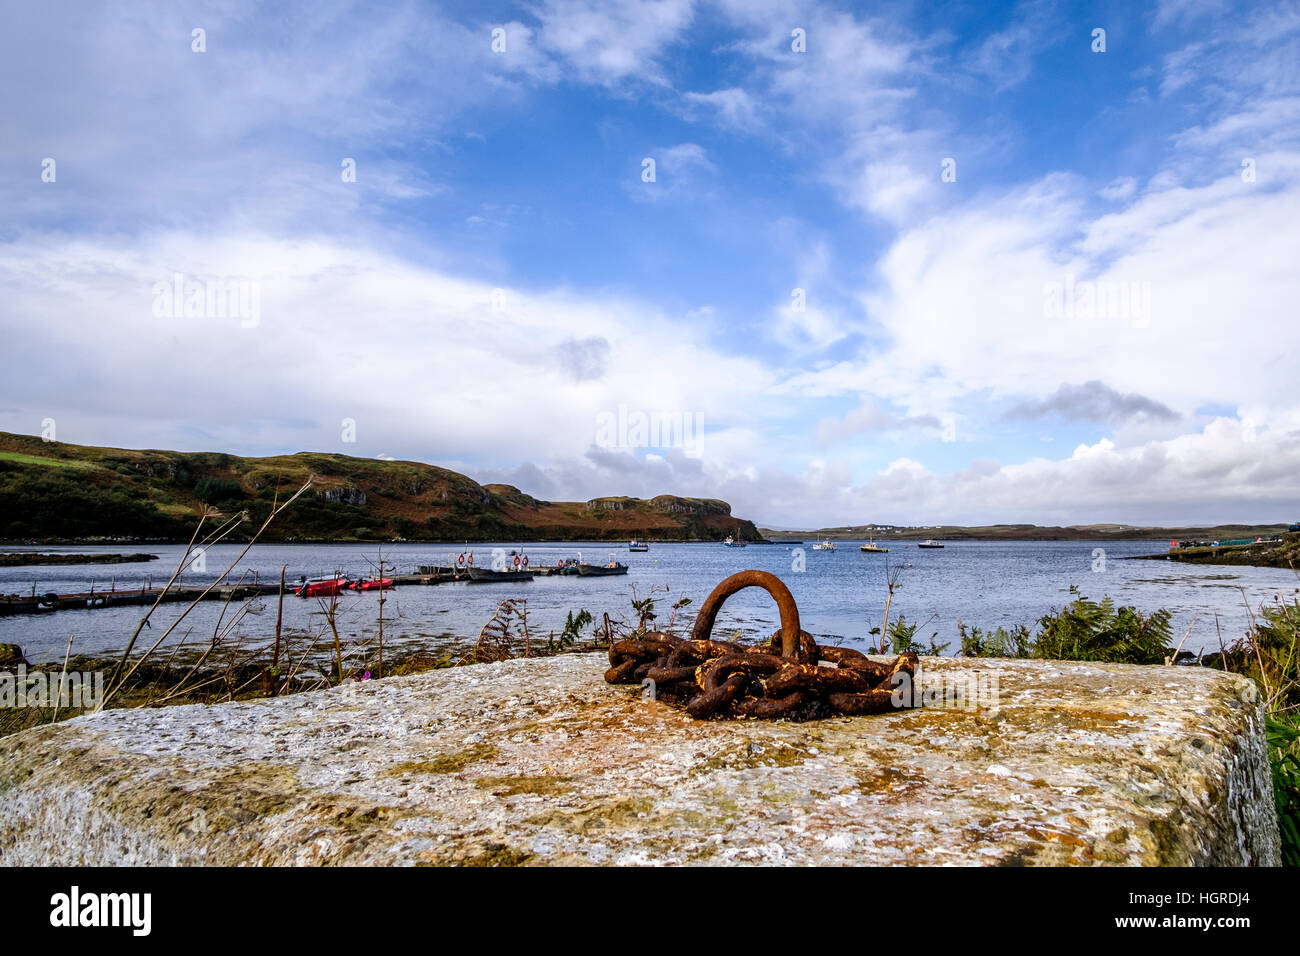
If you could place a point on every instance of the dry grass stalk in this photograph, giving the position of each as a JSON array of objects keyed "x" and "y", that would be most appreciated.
[{"x": 118, "y": 680}]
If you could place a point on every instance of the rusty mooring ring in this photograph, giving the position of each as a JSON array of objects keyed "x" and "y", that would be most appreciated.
[
  {"x": 752, "y": 579},
  {"x": 725, "y": 679}
]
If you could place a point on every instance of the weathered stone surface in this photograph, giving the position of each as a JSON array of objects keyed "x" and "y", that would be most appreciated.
[{"x": 542, "y": 762}]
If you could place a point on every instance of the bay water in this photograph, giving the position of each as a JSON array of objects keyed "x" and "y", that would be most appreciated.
[{"x": 840, "y": 594}]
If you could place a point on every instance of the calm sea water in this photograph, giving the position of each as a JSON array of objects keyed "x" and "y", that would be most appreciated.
[{"x": 839, "y": 593}]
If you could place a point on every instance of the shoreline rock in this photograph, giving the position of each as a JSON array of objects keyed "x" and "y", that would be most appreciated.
[{"x": 540, "y": 762}]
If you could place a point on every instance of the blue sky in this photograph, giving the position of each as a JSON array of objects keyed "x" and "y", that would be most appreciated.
[{"x": 499, "y": 278}]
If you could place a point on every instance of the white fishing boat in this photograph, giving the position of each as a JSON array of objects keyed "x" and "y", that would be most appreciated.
[{"x": 825, "y": 544}]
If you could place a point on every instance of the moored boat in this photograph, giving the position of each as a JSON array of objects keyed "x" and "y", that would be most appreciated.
[
  {"x": 437, "y": 570},
  {"x": 600, "y": 570},
  {"x": 733, "y": 542},
  {"x": 373, "y": 584},
  {"x": 635, "y": 545},
  {"x": 826, "y": 544},
  {"x": 563, "y": 567},
  {"x": 321, "y": 587},
  {"x": 486, "y": 575},
  {"x": 930, "y": 543},
  {"x": 872, "y": 548}
]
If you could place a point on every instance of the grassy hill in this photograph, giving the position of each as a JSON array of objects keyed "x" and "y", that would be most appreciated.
[{"x": 52, "y": 491}]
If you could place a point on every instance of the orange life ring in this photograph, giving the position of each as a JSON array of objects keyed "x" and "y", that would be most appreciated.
[
  {"x": 525, "y": 560},
  {"x": 516, "y": 562},
  {"x": 460, "y": 561}
]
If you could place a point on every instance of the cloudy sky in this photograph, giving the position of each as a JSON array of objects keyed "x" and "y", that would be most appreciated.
[{"x": 910, "y": 263}]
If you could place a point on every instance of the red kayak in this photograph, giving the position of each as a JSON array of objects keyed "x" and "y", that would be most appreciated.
[
  {"x": 384, "y": 584},
  {"x": 322, "y": 588}
]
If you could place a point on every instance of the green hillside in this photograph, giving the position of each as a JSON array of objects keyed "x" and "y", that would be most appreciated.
[{"x": 52, "y": 491}]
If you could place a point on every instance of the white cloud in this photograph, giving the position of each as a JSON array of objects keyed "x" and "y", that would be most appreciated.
[
  {"x": 1007, "y": 56},
  {"x": 240, "y": 180},
  {"x": 143, "y": 129},
  {"x": 680, "y": 172},
  {"x": 963, "y": 296},
  {"x": 869, "y": 416},
  {"x": 731, "y": 108},
  {"x": 1209, "y": 476},
  {"x": 430, "y": 365},
  {"x": 612, "y": 41},
  {"x": 1119, "y": 189}
]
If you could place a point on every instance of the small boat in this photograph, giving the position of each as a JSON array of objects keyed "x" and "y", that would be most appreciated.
[
  {"x": 373, "y": 584},
  {"x": 826, "y": 544},
  {"x": 486, "y": 575},
  {"x": 930, "y": 543},
  {"x": 635, "y": 545},
  {"x": 872, "y": 548},
  {"x": 564, "y": 566},
  {"x": 600, "y": 570},
  {"x": 733, "y": 542},
  {"x": 321, "y": 587}
]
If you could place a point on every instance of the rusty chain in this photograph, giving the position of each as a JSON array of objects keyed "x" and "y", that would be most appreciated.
[{"x": 788, "y": 676}]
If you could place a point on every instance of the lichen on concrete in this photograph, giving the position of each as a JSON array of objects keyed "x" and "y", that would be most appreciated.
[{"x": 531, "y": 762}]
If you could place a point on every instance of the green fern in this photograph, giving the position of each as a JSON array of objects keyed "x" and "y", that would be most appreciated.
[
  {"x": 1284, "y": 753},
  {"x": 1087, "y": 630}
]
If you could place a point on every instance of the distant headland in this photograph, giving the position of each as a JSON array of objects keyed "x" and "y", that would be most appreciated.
[{"x": 56, "y": 492}]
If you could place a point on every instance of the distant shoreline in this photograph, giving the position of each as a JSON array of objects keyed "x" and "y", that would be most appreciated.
[
  {"x": 1033, "y": 533},
  {"x": 264, "y": 541},
  {"x": 786, "y": 539},
  {"x": 20, "y": 559}
]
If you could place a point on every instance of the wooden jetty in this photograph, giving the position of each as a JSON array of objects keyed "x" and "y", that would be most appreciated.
[
  {"x": 91, "y": 600},
  {"x": 37, "y": 603}
]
